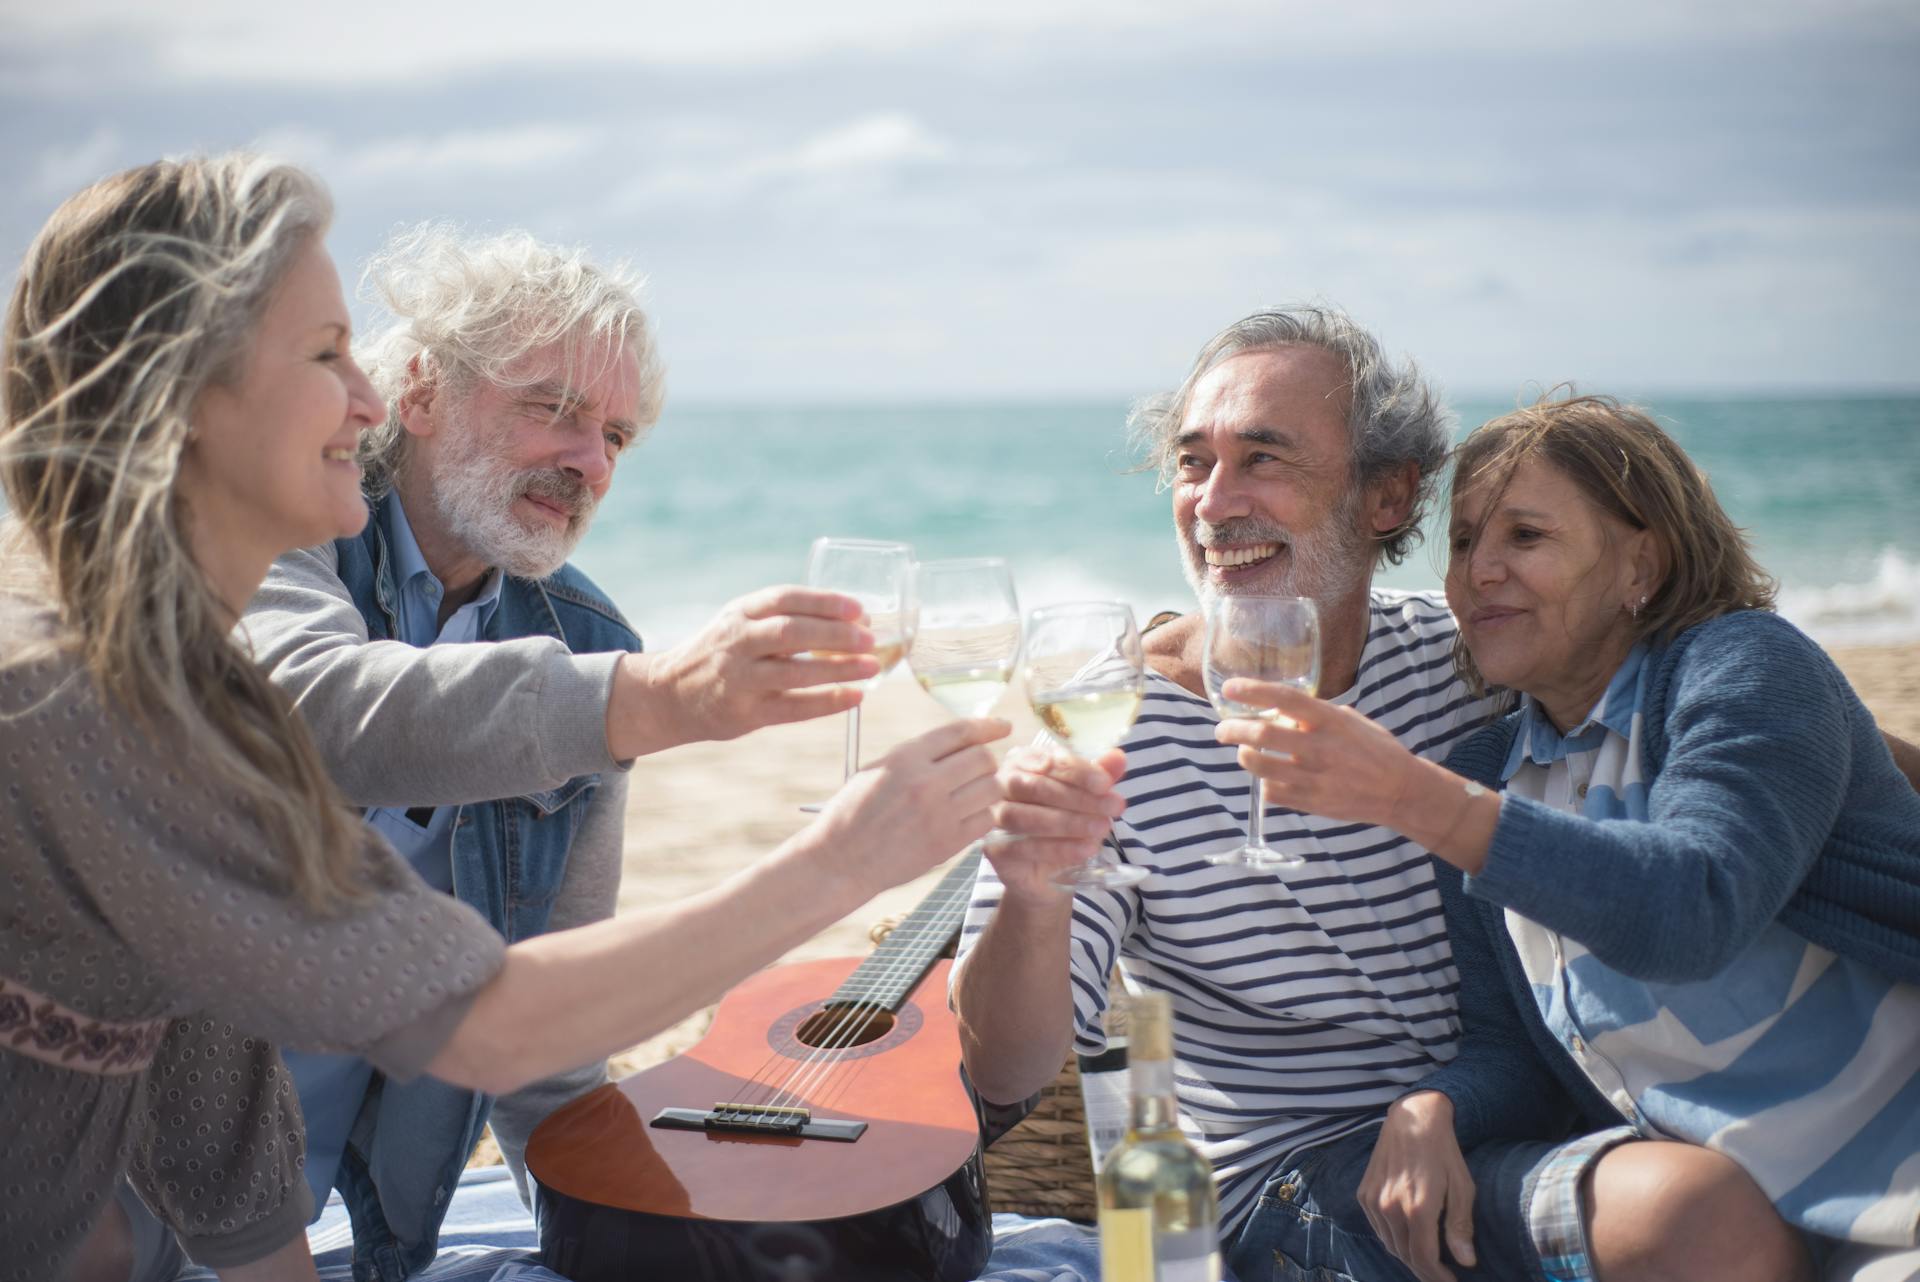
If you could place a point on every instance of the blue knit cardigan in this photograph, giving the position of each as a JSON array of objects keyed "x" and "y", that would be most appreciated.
[{"x": 1771, "y": 797}]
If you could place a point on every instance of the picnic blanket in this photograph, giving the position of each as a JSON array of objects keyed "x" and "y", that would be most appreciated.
[{"x": 489, "y": 1237}]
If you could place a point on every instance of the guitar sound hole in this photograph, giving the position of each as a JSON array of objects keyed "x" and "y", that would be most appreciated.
[{"x": 834, "y": 1026}]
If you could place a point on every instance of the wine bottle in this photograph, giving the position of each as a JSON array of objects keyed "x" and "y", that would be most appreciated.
[{"x": 1159, "y": 1216}]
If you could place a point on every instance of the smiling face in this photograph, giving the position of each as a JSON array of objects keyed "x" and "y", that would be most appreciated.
[
  {"x": 1263, "y": 494},
  {"x": 1543, "y": 583},
  {"x": 513, "y": 476},
  {"x": 270, "y": 466}
]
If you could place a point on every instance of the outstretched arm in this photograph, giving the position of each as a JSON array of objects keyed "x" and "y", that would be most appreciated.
[
  {"x": 593, "y": 990},
  {"x": 405, "y": 725},
  {"x": 1760, "y": 749}
]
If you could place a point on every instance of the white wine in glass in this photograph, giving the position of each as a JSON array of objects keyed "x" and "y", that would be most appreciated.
[
  {"x": 1268, "y": 639},
  {"x": 968, "y": 636},
  {"x": 879, "y": 576},
  {"x": 1085, "y": 673}
]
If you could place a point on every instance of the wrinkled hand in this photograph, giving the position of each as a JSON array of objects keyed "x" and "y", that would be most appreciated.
[
  {"x": 926, "y": 799},
  {"x": 1057, "y": 810},
  {"x": 766, "y": 659},
  {"x": 1417, "y": 1184},
  {"x": 1321, "y": 758}
]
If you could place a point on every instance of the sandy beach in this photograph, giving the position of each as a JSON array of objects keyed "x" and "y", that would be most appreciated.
[{"x": 699, "y": 812}]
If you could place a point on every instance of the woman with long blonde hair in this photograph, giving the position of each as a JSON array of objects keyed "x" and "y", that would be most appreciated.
[{"x": 183, "y": 886}]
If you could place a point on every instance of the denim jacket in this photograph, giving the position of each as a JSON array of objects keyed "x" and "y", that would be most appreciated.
[{"x": 509, "y": 858}]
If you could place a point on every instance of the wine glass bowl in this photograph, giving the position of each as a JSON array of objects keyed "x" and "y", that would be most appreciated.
[
  {"x": 968, "y": 635},
  {"x": 1085, "y": 674},
  {"x": 1267, "y": 639},
  {"x": 879, "y": 575}
]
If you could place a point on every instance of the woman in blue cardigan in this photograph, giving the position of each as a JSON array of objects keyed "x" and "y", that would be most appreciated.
[{"x": 1683, "y": 888}]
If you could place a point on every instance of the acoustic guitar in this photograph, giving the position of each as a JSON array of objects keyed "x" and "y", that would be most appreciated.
[{"x": 820, "y": 1130}]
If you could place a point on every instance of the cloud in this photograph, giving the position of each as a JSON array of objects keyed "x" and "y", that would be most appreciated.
[
  {"x": 61, "y": 170},
  {"x": 873, "y": 142},
  {"x": 435, "y": 158},
  {"x": 368, "y": 42},
  {"x": 863, "y": 150}
]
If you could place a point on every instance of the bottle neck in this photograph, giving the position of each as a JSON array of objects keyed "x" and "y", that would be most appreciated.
[{"x": 1153, "y": 1107}]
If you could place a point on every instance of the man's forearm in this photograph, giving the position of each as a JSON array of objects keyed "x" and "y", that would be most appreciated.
[{"x": 1014, "y": 999}]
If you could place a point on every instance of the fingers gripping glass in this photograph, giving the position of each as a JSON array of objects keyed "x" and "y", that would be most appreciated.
[
  {"x": 879, "y": 576},
  {"x": 1085, "y": 673},
  {"x": 1268, "y": 639}
]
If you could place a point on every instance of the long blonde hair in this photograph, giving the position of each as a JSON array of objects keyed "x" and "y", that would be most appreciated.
[{"x": 138, "y": 294}]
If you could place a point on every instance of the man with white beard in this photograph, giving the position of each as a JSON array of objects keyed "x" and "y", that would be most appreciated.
[
  {"x": 482, "y": 699},
  {"x": 1305, "y": 1002}
]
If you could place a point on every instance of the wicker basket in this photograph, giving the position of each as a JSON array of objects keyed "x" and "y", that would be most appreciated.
[{"x": 1043, "y": 1166}]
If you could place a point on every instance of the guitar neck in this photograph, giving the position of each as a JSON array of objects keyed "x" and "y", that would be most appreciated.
[{"x": 903, "y": 957}]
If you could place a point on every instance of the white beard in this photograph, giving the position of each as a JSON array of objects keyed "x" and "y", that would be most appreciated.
[
  {"x": 1326, "y": 564},
  {"x": 474, "y": 488}
]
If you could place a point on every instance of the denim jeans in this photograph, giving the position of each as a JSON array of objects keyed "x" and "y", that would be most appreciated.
[{"x": 1308, "y": 1225}]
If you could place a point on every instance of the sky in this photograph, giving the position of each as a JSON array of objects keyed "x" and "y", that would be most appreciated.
[{"x": 1032, "y": 199}]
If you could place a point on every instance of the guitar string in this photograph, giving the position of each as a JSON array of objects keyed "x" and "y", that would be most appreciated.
[
  {"x": 913, "y": 961},
  {"x": 853, "y": 1016},
  {"x": 811, "y": 1073}
]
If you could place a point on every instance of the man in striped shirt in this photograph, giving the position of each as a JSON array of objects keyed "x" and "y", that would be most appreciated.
[{"x": 1299, "y": 457}]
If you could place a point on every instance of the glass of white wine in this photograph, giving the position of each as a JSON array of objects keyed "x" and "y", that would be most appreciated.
[
  {"x": 968, "y": 635},
  {"x": 879, "y": 576},
  {"x": 1085, "y": 673},
  {"x": 1268, "y": 638}
]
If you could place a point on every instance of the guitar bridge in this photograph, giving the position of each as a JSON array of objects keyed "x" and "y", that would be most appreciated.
[{"x": 749, "y": 1119}]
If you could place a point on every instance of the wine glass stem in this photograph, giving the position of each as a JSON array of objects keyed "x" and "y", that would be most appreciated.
[
  {"x": 1256, "y": 813},
  {"x": 853, "y": 741}
]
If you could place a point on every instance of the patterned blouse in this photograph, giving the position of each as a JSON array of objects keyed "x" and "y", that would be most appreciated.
[{"x": 149, "y": 960}]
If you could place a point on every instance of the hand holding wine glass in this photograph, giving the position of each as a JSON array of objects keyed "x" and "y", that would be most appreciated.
[
  {"x": 1268, "y": 639},
  {"x": 1085, "y": 673},
  {"x": 968, "y": 635},
  {"x": 878, "y": 575}
]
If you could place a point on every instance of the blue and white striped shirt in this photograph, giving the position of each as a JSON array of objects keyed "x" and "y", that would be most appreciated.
[
  {"x": 1306, "y": 1002},
  {"x": 1801, "y": 1066}
]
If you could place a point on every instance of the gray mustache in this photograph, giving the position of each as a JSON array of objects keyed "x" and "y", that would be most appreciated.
[
  {"x": 1246, "y": 529},
  {"x": 559, "y": 488}
]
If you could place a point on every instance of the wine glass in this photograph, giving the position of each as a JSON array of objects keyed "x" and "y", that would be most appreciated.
[
  {"x": 1085, "y": 674},
  {"x": 1268, "y": 638},
  {"x": 879, "y": 576},
  {"x": 968, "y": 635}
]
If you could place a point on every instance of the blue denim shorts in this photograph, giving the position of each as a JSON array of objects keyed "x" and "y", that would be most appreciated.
[{"x": 1308, "y": 1225}]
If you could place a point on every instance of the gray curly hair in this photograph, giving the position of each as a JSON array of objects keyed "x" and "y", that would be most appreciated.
[
  {"x": 1396, "y": 417},
  {"x": 469, "y": 309}
]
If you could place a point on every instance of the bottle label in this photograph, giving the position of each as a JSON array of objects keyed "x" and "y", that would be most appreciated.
[
  {"x": 1126, "y": 1245},
  {"x": 1104, "y": 1096}
]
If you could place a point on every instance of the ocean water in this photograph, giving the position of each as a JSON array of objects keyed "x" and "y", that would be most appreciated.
[{"x": 719, "y": 500}]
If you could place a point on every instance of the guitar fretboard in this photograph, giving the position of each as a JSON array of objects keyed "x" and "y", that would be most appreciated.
[{"x": 898, "y": 964}]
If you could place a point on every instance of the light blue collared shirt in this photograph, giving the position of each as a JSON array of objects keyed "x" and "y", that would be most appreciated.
[{"x": 333, "y": 1087}]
